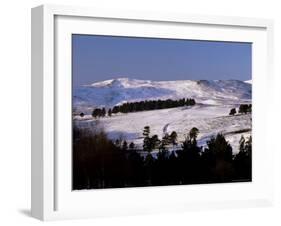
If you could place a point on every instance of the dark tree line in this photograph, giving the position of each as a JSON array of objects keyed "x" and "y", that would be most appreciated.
[
  {"x": 142, "y": 106},
  {"x": 101, "y": 163},
  {"x": 243, "y": 109},
  {"x": 99, "y": 112},
  {"x": 152, "y": 105}
]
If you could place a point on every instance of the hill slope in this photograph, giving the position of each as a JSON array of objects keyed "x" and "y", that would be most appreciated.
[
  {"x": 210, "y": 115},
  {"x": 117, "y": 91}
]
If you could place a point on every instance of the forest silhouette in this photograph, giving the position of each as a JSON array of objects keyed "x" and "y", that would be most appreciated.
[{"x": 99, "y": 162}]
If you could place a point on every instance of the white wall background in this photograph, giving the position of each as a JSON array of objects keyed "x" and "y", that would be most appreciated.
[{"x": 15, "y": 112}]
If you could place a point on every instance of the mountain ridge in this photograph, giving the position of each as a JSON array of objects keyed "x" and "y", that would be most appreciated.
[{"x": 109, "y": 93}]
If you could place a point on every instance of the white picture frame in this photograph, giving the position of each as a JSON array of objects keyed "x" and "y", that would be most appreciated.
[{"x": 52, "y": 197}]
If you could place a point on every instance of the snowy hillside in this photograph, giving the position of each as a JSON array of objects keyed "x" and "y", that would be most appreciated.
[
  {"x": 249, "y": 81},
  {"x": 210, "y": 115},
  {"x": 117, "y": 91}
]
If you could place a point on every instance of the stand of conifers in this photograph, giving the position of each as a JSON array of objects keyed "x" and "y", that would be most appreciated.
[{"x": 99, "y": 162}]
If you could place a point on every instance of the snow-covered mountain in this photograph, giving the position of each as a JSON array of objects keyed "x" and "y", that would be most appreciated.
[
  {"x": 217, "y": 97},
  {"x": 117, "y": 91}
]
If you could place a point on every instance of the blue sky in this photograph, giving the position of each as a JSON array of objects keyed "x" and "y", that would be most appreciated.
[{"x": 98, "y": 58}]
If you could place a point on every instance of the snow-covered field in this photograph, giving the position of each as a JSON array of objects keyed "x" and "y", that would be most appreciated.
[{"x": 210, "y": 115}]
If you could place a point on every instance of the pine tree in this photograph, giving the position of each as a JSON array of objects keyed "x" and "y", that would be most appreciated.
[
  {"x": 103, "y": 112},
  {"x": 146, "y": 140},
  {"x": 97, "y": 112},
  {"x": 232, "y": 111},
  {"x": 155, "y": 142},
  {"x": 109, "y": 113},
  {"x": 243, "y": 160},
  {"x": 131, "y": 146},
  {"x": 250, "y": 108},
  {"x": 223, "y": 168},
  {"x": 125, "y": 145},
  {"x": 243, "y": 108},
  {"x": 242, "y": 144},
  {"x": 220, "y": 147},
  {"x": 173, "y": 137},
  {"x": 164, "y": 142},
  {"x": 118, "y": 143},
  {"x": 146, "y": 131},
  {"x": 193, "y": 133},
  {"x": 115, "y": 109}
]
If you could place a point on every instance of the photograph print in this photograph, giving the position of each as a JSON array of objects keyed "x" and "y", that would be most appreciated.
[{"x": 159, "y": 112}]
